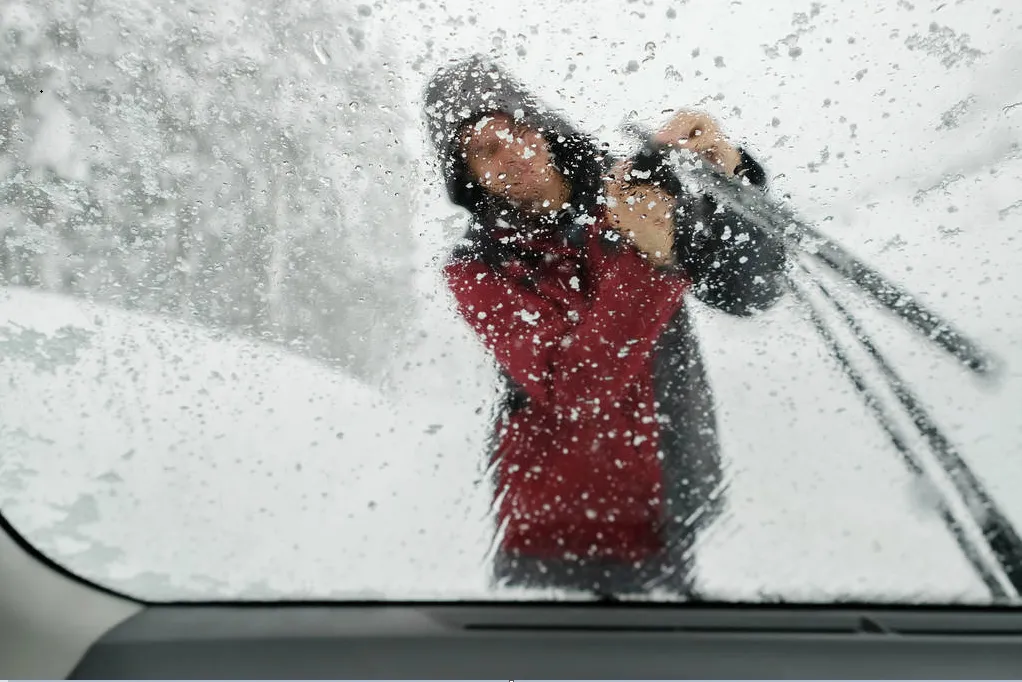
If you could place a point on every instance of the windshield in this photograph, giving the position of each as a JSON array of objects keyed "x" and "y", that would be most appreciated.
[{"x": 534, "y": 300}]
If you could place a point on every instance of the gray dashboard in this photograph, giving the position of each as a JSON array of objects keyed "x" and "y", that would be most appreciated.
[{"x": 512, "y": 641}]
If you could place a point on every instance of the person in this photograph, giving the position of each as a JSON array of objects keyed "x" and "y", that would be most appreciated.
[{"x": 574, "y": 274}]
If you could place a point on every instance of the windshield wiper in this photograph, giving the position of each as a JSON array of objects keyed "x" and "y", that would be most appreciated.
[
  {"x": 776, "y": 219},
  {"x": 994, "y": 549},
  {"x": 985, "y": 536}
]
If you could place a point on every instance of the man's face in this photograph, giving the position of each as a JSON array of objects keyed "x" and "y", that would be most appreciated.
[{"x": 512, "y": 160}]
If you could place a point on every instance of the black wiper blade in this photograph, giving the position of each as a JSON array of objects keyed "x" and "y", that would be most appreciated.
[
  {"x": 778, "y": 220},
  {"x": 997, "y": 529},
  {"x": 1000, "y": 565}
]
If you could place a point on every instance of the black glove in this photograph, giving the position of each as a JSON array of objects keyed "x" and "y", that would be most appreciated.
[{"x": 733, "y": 266}]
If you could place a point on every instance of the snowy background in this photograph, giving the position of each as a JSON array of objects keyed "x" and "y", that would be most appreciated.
[{"x": 228, "y": 367}]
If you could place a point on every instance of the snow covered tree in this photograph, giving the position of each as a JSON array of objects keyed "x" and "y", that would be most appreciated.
[{"x": 254, "y": 183}]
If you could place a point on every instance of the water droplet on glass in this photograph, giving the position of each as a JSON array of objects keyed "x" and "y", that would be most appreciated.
[{"x": 320, "y": 50}]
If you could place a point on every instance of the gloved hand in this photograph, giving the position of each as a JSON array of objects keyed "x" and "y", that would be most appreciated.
[{"x": 700, "y": 133}]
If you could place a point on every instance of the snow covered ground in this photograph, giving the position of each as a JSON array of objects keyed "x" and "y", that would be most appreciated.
[{"x": 172, "y": 462}]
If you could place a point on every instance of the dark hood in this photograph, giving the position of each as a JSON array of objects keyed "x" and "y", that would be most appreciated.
[{"x": 469, "y": 89}]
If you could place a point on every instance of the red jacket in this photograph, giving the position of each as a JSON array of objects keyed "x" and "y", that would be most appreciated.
[{"x": 579, "y": 467}]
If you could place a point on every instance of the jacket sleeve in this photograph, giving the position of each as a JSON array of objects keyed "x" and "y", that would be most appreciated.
[
  {"x": 569, "y": 360},
  {"x": 734, "y": 267}
]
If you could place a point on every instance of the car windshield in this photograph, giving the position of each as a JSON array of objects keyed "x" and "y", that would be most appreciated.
[{"x": 542, "y": 300}]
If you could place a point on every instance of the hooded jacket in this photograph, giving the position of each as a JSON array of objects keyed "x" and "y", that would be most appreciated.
[{"x": 606, "y": 455}]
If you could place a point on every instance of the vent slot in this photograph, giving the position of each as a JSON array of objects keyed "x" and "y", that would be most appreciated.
[{"x": 709, "y": 629}]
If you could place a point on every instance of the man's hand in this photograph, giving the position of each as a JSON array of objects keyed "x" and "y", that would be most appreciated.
[
  {"x": 700, "y": 133},
  {"x": 644, "y": 214}
]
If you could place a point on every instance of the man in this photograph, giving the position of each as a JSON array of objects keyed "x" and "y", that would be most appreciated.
[{"x": 573, "y": 274}]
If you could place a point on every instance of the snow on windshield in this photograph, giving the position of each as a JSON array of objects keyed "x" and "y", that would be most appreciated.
[{"x": 234, "y": 365}]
